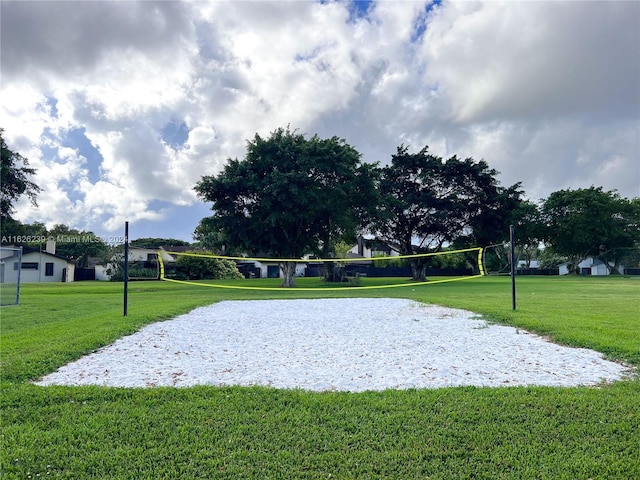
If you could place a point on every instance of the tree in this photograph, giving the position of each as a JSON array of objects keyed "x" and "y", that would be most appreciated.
[
  {"x": 549, "y": 259},
  {"x": 502, "y": 207},
  {"x": 290, "y": 196},
  {"x": 78, "y": 245},
  {"x": 149, "y": 242},
  {"x": 589, "y": 222},
  {"x": 70, "y": 243},
  {"x": 209, "y": 238},
  {"x": 336, "y": 271},
  {"x": 198, "y": 268},
  {"x": 434, "y": 202},
  {"x": 14, "y": 182},
  {"x": 30, "y": 234},
  {"x": 491, "y": 226},
  {"x": 528, "y": 230}
]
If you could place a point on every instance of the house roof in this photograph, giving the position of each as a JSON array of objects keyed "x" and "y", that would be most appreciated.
[
  {"x": 29, "y": 250},
  {"x": 176, "y": 248},
  {"x": 93, "y": 261},
  {"x": 379, "y": 245}
]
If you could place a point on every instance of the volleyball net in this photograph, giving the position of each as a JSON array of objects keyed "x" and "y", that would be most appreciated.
[{"x": 355, "y": 272}]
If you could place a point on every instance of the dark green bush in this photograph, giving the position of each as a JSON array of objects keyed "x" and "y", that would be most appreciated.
[{"x": 200, "y": 268}]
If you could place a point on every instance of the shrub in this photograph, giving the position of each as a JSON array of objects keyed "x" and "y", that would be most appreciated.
[{"x": 200, "y": 268}]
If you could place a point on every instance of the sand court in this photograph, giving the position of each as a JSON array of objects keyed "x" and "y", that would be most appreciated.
[{"x": 353, "y": 344}]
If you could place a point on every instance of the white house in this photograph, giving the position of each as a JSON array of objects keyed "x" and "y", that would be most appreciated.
[
  {"x": 523, "y": 264},
  {"x": 37, "y": 266},
  {"x": 268, "y": 269},
  {"x": 590, "y": 266},
  {"x": 372, "y": 247}
]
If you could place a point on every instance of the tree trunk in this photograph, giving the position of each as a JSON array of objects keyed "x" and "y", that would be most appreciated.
[
  {"x": 289, "y": 273},
  {"x": 329, "y": 271},
  {"x": 334, "y": 272},
  {"x": 419, "y": 270},
  {"x": 574, "y": 261}
]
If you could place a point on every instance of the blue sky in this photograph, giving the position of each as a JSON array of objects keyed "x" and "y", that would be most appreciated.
[{"x": 123, "y": 106}]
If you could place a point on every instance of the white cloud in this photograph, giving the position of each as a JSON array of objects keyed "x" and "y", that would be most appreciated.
[
  {"x": 114, "y": 204},
  {"x": 548, "y": 93},
  {"x": 535, "y": 59}
]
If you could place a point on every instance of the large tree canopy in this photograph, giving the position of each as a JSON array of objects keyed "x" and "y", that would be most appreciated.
[
  {"x": 501, "y": 208},
  {"x": 589, "y": 222},
  {"x": 14, "y": 182},
  {"x": 429, "y": 202},
  {"x": 153, "y": 242},
  {"x": 290, "y": 196}
]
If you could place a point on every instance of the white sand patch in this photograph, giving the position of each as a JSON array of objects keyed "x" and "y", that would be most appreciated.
[{"x": 334, "y": 344}]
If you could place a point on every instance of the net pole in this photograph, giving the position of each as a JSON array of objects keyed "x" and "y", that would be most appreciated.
[
  {"x": 513, "y": 267},
  {"x": 18, "y": 276},
  {"x": 125, "y": 279}
]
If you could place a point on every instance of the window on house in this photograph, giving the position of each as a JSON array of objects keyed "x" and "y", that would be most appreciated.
[
  {"x": 29, "y": 265},
  {"x": 48, "y": 269}
]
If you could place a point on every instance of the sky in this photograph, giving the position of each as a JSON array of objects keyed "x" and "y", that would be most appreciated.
[{"x": 123, "y": 106}]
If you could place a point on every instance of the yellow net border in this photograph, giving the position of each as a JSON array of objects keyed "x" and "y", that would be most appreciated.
[{"x": 481, "y": 273}]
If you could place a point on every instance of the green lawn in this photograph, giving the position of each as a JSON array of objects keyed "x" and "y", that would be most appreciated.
[{"x": 209, "y": 432}]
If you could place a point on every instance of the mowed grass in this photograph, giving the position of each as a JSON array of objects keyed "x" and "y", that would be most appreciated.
[{"x": 239, "y": 432}]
